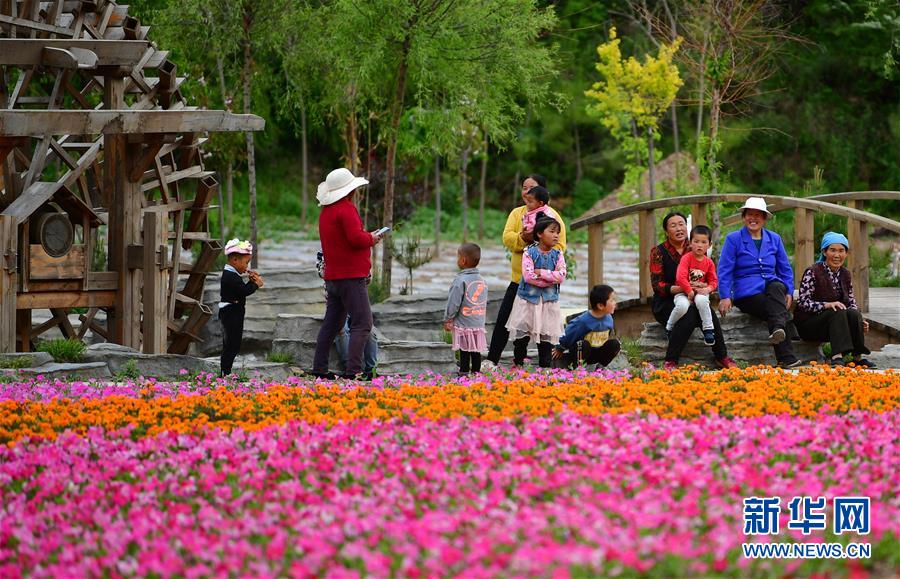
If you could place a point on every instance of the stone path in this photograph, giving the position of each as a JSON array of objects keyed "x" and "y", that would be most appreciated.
[{"x": 620, "y": 268}]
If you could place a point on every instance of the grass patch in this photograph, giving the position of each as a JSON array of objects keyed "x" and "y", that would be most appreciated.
[
  {"x": 128, "y": 371},
  {"x": 633, "y": 351},
  {"x": 16, "y": 362},
  {"x": 63, "y": 350},
  {"x": 280, "y": 358}
]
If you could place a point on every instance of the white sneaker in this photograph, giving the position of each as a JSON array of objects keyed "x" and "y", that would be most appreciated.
[{"x": 488, "y": 366}]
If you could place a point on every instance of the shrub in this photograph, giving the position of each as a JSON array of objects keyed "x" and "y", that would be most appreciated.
[
  {"x": 17, "y": 362},
  {"x": 128, "y": 371},
  {"x": 63, "y": 350}
]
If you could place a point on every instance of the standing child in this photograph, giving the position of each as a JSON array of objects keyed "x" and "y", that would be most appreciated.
[
  {"x": 466, "y": 307},
  {"x": 234, "y": 297},
  {"x": 696, "y": 275},
  {"x": 535, "y": 313},
  {"x": 537, "y": 204},
  {"x": 587, "y": 337}
]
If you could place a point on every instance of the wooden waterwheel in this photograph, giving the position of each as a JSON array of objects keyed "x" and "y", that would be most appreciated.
[{"x": 102, "y": 181}]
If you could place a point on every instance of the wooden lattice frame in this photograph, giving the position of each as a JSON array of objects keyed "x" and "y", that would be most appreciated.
[{"x": 92, "y": 120}]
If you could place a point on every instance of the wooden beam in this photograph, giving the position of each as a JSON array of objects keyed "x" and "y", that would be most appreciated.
[
  {"x": 698, "y": 214},
  {"x": 9, "y": 232},
  {"x": 74, "y": 299},
  {"x": 858, "y": 236},
  {"x": 35, "y": 26},
  {"x": 804, "y": 244},
  {"x": 208, "y": 186},
  {"x": 33, "y": 197},
  {"x": 595, "y": 255},
  {"x": 148, "y": 157},
  {"x": 65, "y": 326},
  {"x": 114, "y": 122},
  {"x": 156, "y": 311},
  {"x": 24, "y": 52},
  {"x": 647, "y": 235}
]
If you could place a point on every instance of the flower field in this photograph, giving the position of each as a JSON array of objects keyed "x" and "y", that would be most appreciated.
[{"x": 558, "y": 474}]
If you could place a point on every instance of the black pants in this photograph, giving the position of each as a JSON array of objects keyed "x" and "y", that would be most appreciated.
[
  {"x": 500, "y": 336},
  {"x": 469, "y": 362},
  {"x": 842, "y": 328},
  {"x": 771, "y": 307},
  {"x": 520, "y": 349},
  {"x": 344, "y": 296},
  {"x": 684, "y": 328},
  {"x": 232, "y": 318},
  {"x": 587, "y": 354}
]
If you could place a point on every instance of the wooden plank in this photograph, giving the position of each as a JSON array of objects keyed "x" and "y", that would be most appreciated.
[
  {"x": 195, "y": 172},
  {"x": 207, "y": 188},
  {"x": 72, "y": 299},
  {"x": 27, "y": 203},
  {"x": 794, "y": 202},
  {"x": 156, "y": 313},
  {"x": 858, "y": 236},
  {"x": 100, "y": 281},
  {"x": 124, "y": 121},
  {"x": 148, "y": 157},
  {"x": 595, "y": 255},
  {"x": 190, "y": 330},
  {"x": 175, "y": 262},
  {"x": 698, "y": 215},
  {"x": 69, "y": 266},
  {"x": 65, "y": 326},
  {"x": 23, "y": 326},
  {"x": 647, "y": 234},
  {"x": 9, "y": 232},
  {"x": 31, "y": 52},
  {"x": 193, "y": 287},
  {"x": 86, "y": 321},
  {"x": 35, "y": 26},
  {"x": 804, "y": 244}
]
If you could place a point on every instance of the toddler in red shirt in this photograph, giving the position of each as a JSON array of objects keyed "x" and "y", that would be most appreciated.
[{"x": 696, "y": 276}]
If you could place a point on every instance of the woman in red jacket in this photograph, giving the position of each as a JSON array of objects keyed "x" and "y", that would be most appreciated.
[{"x": 346, "y": 246}]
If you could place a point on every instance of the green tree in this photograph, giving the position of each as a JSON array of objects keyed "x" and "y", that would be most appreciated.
[
  {"x": 443, "y": 55},
  {"x": 632, "y": 96}
]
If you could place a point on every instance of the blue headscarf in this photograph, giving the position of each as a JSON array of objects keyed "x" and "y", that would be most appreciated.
[{"x": 830, "y": 238}]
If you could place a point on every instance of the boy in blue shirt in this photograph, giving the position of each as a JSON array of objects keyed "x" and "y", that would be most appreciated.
[{"x": 587, "y": 337}]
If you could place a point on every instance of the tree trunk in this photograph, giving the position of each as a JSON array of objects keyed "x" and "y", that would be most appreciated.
[
  {"x": 304, "y": 156},
  {"x": 482, "y": 188},
  {"x": 352, "y": 144},
  {"x": 702, "y": 91},
  {"x": 221, "y": 217},
  {"x": 651, "y": 165},
  {"x": 579, "y": 168},
  {"x": 229, "y": 192},
  {"x": 516, "y": 190},
  {"x": 251, "y": 152},
  {"x": 674, "y": 112},
  {"x": 437, "y": 204},
  {"x": 464, "y": 192},
  {"x": 229, "y": 171},
  {"x": 714, "y": 107},
  {"x": 390, "y": 169}
]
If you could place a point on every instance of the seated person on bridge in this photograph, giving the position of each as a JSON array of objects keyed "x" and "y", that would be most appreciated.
[
  {"x": 826, "y": 308},
  {"x": 587, "y": 337}
]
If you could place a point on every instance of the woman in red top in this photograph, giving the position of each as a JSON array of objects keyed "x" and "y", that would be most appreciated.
[{"x": 346, "y": 246}]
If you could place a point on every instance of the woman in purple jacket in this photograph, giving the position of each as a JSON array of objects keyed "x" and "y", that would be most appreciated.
[{"x": 755, "y": 275}]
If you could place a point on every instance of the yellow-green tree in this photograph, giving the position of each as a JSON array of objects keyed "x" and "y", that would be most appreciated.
[{"x": 631, "y": 97}]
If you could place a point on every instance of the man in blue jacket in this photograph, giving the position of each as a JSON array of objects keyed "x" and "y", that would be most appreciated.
[{"x": 755, "y": 275}]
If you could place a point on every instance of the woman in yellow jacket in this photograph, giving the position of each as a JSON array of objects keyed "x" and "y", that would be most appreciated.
[{"x": 516, "y": 240}]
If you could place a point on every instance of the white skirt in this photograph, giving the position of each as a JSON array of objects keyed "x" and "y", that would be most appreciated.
[{"x": 542, "y": 322}]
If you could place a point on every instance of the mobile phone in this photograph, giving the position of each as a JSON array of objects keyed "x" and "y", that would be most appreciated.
[{"x": 382, "y": 231}]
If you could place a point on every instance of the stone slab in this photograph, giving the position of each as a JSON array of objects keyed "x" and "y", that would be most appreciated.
[
  {"x": 83, "y": 371},
  {"x": 888, "y": 357},
  {"x": 36, "y": 358},
  {"x": 155, "y": 365},
  {"x": 746, "y": 338}
]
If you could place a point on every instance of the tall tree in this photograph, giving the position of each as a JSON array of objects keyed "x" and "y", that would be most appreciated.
[
  {"x": 631, "y": 96},
  {"x": 443, "y": 53}
]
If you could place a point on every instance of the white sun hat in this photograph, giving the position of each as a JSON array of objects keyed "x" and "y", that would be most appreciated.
[
  {"x": 757, "y": 203},
  {"x": 237, "y": 246},
  {"x": 337, "y": 185}
]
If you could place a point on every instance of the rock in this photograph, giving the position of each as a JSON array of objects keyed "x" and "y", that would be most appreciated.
[
  {"x": 620, "y": 362},
  {"x": 888, "y": 357},
  {"x": 256, "y": 369},
  {"x": 54, "y": 371},
  {"x": 31, "y": 359},
  {"x": 419, "y": 317},
  {"x": 286, "y": 291},
  {"x": 747, "y": 339},
  {"x": 119, "y": 358}
]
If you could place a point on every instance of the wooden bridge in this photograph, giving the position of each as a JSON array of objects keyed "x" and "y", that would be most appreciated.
[{"x": 805, "y": 244}]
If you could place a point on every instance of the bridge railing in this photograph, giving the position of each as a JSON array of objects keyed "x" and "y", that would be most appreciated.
[{"x": 805, "y": 208}]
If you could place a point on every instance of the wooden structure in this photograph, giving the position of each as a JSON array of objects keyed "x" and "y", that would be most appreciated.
[
  {"x": 805, "y": 245},
  {"x": 102, "y": 182}
]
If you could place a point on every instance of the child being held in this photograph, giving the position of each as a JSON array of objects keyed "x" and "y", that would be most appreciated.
[
  {"x": 466, "y": 308},
  {"x": 535, "y": 313},
  {"x": 537, "y": 203},
  {"x": 587, "y": 337},
  {"x": 696, "y": 274},
  {"x": 234, "y": 294}
]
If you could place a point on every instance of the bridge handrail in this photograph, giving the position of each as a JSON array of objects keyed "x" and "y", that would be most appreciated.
[
  {"x": 829, "y": 198},
  {"x": 790, "y": 202}
]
